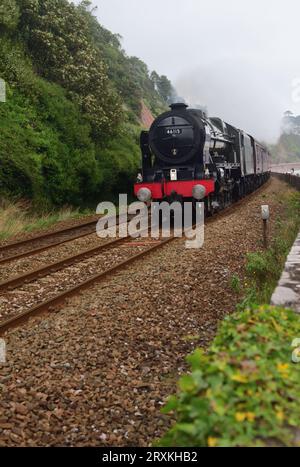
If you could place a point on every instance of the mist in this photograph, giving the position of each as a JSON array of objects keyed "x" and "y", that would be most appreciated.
[
  {"x": 238, "y": 59},
  {"x": 251, "y": 97}
]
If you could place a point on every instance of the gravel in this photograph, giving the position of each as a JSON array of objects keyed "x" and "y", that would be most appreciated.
[
  {"x": 23, "y": 265},
  {"x": 55, "y": 253},
  {"x": 40, "y": 290},
  {"x": 97, "y": 372}
]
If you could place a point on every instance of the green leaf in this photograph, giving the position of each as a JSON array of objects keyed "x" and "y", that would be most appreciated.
[
  {"x": 186, "y": 383},
  {"x": 171, "y": 405},
  {"x": 196, "y": 358},
  {"x": 188, "y": 428}
]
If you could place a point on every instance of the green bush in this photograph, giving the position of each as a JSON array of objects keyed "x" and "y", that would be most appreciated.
[
  {"x": 47, "y": 151},
  {"x": 68, "y": 131},
  {"x": 245, "y": 391},
  {"x": 119, "y": 161}
]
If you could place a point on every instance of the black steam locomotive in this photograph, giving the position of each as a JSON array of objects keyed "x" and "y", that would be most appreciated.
[{"x": 189, "y": 157}]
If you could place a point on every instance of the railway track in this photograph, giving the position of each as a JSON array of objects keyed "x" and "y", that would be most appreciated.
[
  {"x": 46, "y": 287},
  {"x": 59, "y": 281},
  {"x": 40, "y": 243},
  {"x": 43, "y": 242}
]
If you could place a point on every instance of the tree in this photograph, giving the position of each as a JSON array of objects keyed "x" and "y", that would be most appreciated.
[
  {"x": 58, "y": 38},
  {"x": 9, "y": 14},
  {"x": 164, "y": 87},
  {"x": 155, "y": 79},
  {"x": 288, "y": 113}
]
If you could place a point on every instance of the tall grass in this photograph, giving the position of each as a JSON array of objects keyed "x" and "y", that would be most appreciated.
[{"x": 17, "y": 217}]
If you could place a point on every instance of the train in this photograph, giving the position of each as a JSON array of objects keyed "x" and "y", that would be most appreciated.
[{"x": 189, "y": 157}]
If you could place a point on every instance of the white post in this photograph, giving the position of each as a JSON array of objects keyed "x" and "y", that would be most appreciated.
[
  {"x": 265, "y": 214},
  {"x": 2, "y": 90}
]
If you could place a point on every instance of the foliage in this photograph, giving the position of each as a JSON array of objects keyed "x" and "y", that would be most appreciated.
[
  {"x": 42, "y": 139},
  {"x": 57, "y": 34},
  {"x": 245, "y": 390},
  {"x": 130, "y": 75},
  {"x": 9, "y": 14},
  {"x": 68, "y": 131},
  {"x": 287, "y": 149},
  {"x": 235, "y": 283},
  {"x": 41, "y": 143},
  {"x": 163, "y": 86},
  {"x": 119, "y": 161}
]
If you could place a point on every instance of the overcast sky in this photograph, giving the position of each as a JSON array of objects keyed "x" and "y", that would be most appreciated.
[{"x": 240, "y": 59}]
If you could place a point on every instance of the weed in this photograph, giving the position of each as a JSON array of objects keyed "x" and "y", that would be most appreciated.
[{"x": 235, "y": 283}]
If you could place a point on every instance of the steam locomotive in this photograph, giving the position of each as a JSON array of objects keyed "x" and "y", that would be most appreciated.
[{"x": 187, "y": 156}]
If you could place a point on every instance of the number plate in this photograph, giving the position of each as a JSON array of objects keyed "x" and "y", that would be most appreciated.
[{"x": 173, "y": 131}]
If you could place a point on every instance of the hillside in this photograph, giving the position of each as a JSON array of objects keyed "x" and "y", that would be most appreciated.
[
  {"x": 287, "y": 148},
  {"x": 70, "y": 125}
]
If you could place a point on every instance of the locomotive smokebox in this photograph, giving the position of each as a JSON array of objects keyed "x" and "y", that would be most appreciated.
[{"x": 177, "y": 136}]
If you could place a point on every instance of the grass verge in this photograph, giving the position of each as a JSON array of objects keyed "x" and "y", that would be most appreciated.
[
  {"x": 263, "y": 268},
  {"x": 17, "y": 217}
]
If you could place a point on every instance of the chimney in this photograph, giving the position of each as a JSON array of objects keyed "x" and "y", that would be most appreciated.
[{"x": 178, "y": 106}]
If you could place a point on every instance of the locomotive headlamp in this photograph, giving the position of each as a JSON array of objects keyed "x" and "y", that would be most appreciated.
[
  {"x": 199, "y": 192},
  {"x": 144, "y": 195}
]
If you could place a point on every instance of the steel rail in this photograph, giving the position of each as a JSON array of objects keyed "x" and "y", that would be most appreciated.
[{"x": 43, "y": 236}]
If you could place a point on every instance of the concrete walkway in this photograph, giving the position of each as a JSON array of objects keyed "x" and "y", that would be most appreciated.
[{"x": 287, "y": 293}]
